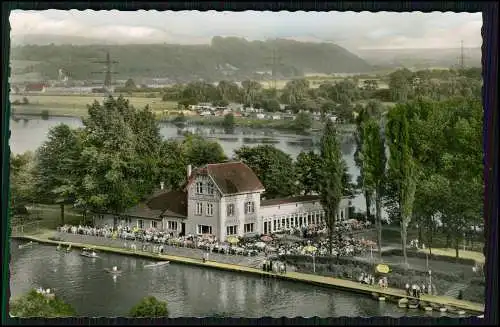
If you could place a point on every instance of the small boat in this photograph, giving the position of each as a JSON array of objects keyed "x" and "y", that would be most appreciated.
[
  {"x": 59, "y": 247},
  {"x": 26, "y": 245},
  {"x": 157, "y": 264},
  {"x": 381, "y": 298},
  {"x": 403, "y": 303},
  {"x": 461, "y": 312},
  {"x": 428, "y": 309},
  {"x": 481, "y": 316},
  {"x": 442, "y": 309},
  {"x": 89, "y": 253},
  {"x": 68, "y": 249},
  {"x": 113, "y": 270},
  {"x": 413, "y": 304}
]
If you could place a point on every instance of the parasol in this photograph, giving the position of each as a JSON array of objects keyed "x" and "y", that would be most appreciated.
[
  {"x": 260, "y": 245},
  {"x": 310, "y": 248},
  {"x": 266, "y": 238},
  {"x": 233, "y": 240}
]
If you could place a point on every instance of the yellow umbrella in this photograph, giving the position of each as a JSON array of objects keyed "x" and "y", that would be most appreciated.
[
  {"x": 310, "y": 248},
  {"x": 232, "y": 240}
]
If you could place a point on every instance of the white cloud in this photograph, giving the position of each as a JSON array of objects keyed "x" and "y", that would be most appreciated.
[{"x": 349, "y": 29}]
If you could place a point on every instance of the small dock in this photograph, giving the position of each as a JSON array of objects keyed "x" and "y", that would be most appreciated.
[{"x": 391, "y": 294}]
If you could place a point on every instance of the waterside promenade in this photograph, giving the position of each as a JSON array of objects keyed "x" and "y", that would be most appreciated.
[{"x": 392, "y": 294}]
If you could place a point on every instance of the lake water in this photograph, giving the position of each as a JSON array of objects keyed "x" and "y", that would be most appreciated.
[
  {"x": 189, "y": 291},
  {"x": 28, "y": 134}
]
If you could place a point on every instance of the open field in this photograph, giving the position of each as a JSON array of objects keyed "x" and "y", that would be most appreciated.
[{"x": 76, "y": 105}]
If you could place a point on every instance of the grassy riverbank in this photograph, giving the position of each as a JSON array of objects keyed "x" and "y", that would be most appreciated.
[
  {"x": 346, "y": 285},
  {"x": 76, "y": 105}
]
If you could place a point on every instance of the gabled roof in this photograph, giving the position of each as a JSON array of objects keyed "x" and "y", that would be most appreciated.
[
  {"x": 230, "y": 177},
  {"x": 143, "y": 211},
  {"x": 161, "y": 204},
  {"x": 171, "y": 203}
]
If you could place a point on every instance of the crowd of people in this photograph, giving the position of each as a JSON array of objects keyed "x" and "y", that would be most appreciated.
[
  {"x": 307, "y": 241},
  {"x": 370, "y": 279}
]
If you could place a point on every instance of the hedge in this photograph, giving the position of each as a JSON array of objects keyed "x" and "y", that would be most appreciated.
[
  {"x": 422, "y": 255},
  {"x": 298, "y": 260}
]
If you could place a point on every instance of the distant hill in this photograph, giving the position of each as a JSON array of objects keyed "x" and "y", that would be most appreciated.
[
  {"x": 225, "y": 58},
  {"x": 421, "y": 58}
]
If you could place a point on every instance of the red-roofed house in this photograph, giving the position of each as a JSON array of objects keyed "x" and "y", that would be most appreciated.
[{"x": 35, "y": 88}]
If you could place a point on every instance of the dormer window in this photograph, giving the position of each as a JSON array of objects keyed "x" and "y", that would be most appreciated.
[
  {"x": 199, "y": 188},
  {"x": 210, "y": 188}
]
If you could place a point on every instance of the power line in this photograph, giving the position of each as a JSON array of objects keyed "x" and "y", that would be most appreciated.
[
  {"x": 276, "y": 62},
  {"x": 108, "y": 70}
]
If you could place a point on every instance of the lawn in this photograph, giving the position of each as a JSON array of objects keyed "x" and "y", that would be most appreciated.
[
  {"x": 76, "y": 105},
  {"x": 391, "y": 235},
  {"x": 473, "y": 255},
  {"x": 48, "y": 217}
]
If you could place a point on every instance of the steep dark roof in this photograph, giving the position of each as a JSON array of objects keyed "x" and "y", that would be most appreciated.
[
  {"x": 233, "y": 177},
  {"x": 302, "y": 198},
  {"x": 161, "y": 204},
  {"x": 171, "y": 203},
  {"x": 143, "y": 211}
]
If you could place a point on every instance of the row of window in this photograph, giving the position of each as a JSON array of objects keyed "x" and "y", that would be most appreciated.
[
  {"x": 230, "y": 209},
  {"x": 233, "y": 230},
  {"x": 209, "y": 188},
  {"x": 171, "y": 225},
  {"x": 209, "y": 207},
  {"x": 297, "y": 220}
]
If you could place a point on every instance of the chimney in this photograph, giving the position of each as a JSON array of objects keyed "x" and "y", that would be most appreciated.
[
  {"x": 189, "y": 171},
  {"x": 162, "y": 184}
]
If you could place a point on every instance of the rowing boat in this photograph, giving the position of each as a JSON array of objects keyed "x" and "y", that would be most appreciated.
[{"x": 157, "y": 264}]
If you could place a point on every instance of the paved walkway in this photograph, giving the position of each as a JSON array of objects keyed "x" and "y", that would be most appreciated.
[
  {"x": 248, "y": 261},
  {"x": 302, "y": 277}
]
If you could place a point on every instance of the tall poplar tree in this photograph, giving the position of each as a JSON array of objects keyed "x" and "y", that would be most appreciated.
[
  {"x": 331, "y": 172},
  {"x": 374, "y": 163},
  {"x": 402, "y": 170}
]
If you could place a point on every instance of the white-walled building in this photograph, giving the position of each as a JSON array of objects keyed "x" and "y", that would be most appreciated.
[{"x": 223, "y": 200}]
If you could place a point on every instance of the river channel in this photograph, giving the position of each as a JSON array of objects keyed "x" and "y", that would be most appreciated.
[
  {"x": 190, "y": 291},
  {"x": 28, "y": 134}
]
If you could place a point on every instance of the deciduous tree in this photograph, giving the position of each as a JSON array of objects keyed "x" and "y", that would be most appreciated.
[{"x": 274, "y": 168}]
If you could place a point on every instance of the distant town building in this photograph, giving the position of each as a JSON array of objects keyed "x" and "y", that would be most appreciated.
[
  {"x": 35, "y": 88},
  {"x": 223, "y": 200}
]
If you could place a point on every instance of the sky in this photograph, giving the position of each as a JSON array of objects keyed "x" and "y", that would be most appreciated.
[{"x": 365, "y": 30}]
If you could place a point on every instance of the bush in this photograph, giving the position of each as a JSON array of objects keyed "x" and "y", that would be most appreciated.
[
  {"x": 474, "y": 293},
  {"x": 149, "y": 307},
  {"x": 45, "y": 114},
  {"x": 34, "y": 304}
]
